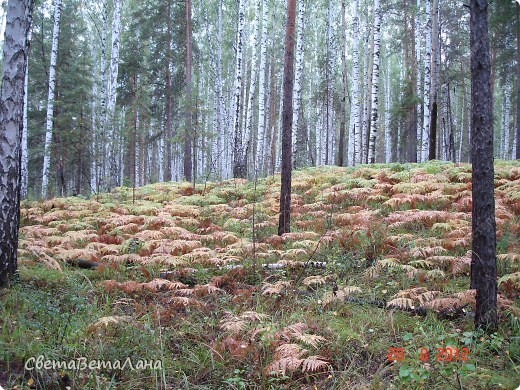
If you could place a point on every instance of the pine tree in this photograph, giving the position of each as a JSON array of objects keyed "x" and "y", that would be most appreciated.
[{"x": 483, "y": 261}]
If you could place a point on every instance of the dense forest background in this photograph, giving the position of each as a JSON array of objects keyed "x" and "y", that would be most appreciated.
[{"x": 125, "y": 92}]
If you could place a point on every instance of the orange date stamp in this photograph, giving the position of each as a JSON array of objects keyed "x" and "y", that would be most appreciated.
[{"x": 442, "y": 354}]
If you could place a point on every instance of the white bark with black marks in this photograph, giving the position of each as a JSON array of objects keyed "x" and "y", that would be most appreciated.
[
  {"x": 50, "y": 98},
  {"x": 15, "y": 48},
  {"x": 374, "y": 123}
]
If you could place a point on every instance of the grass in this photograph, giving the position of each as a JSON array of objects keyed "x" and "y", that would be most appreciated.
[{"x": 228, "y": 320}]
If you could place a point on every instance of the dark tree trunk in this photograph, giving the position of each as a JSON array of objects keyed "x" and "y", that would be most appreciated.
[
  {"x": 18, "y": 23},
  {"x": 517, "y": 83},
  {"x": 483, "y": 261},
  {"x": 433, "y": 130},
  {"x": 188, "y": 163},
  {"x": 284, "y": 224}
]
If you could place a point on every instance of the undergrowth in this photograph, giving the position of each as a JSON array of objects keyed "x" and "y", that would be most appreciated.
[{"x": 378, "y": 258}]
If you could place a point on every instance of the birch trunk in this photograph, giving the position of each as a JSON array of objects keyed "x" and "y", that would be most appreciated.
[
  {"x": 24, "y": 172},
  {"x": 375, "y": 84},
  {"x": 300, "y": 151},
  {"x": 50, "y": 98},
  {"x": 355, "y": 107},
  {"x": 388, "y": 133},
  {"x": 252, "y": 84},
  {"x": 239, "y": 170},
  {"x": 112, "y": 92},
  {"x": 15, "y": 49},
  {"x": 427, "y": 84},
  {"x": 260, "y": 151},
  {"x": 507, "y": 106},
  {"x": 188, "y": 131},
  {"x": 366, "y": 77},
  {"x": 418, "y": 40}
]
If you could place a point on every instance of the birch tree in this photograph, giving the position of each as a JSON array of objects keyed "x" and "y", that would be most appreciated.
[
  {"x": 50, "y": 98},
  {"x": 15, "y": 49},
  {"x": 260, "y": 148},
  {"x": 355, "y": 109},
  {"x": 24, "y": 168},
  {"x": 375, "y": 84},
  {"x": 507, "y": 112},
  {"x": 252, "y": 82},
  {"x": 239, "y": 168},
  {"x": 298, "y": 135},
  {"x": 188, "y": 131},
  {"x": 427, "y": 83},
  {"x": 112, "y": 90}
]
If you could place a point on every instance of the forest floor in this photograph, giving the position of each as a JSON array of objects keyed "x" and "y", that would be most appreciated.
[{"x": 395, "y": 240}]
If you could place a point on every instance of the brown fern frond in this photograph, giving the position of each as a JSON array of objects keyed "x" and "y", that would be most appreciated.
[
  {"x": 311, "y": 339},
  {"x": 279, "y": 287},
  {"x": 104, "y": 323},
  {"x": 279, "y": 367},
  {"x": 316, "y": 280},
  {"x": 402, "y": 303},
  {"x": 315, "y": 363}
]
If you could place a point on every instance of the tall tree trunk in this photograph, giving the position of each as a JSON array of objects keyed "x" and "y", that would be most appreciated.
[
  {"x": 188, "y": 164},
  {"x": 435, "y": 80},
  {"x": 375, "y": 84},
  {"x": 299, "y": 136},
  {"x": 355, "y": 108},
  {"x": 418, "y": 80},
  {"x": 284, "y": 224},
  {"x": 112, "y": 92},
  {"x": 367, "y": 80},
  {"x": 15, "y": 49},
  {"x": 24, "y": 163},
  {"x": 342, "y": 124},
  {"x": 50, "y": 99},
  {"x": 388, "y": 106},
  {"x": 239, "y": 169},
  {"x": 168, "y": 169},
  {"x": 328, "y": 81},
  {"x": 252, "y": 86},
  {"x": 517, "y": 141},
  {"x": 260, "y": 151},
  {"x": 427, "y": 83},
  {"x": 507, "y": 112},
  {"x": 483, "y": 260},
  {"x": 103, "y": 100}
]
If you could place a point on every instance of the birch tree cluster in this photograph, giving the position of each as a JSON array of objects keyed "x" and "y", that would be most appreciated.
[{"x": 127, "y": 92}]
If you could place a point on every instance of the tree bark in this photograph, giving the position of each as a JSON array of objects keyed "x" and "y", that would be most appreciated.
[
  {"x": 50, "y": 98},
  {"x": 375, "y": 85},
  {"x": 483, "y": 261},
  {"x": 427, "y": 83},
  {"x": 517, "y": 142},
  {"x": 188, "y": 162},
  {"x": 112, "y": 93},
  {"x": 24, "y": 172},
  {"x": 299, "y": 136},
  {"x": 239, "y": 168},
  {"x": 261, "y": 136},
  {"x": 15, "y": 48},
  {"x": 284, "y": 224},
  {"x": 168, "y": 169},
  {"x": 355, "y": 108}
]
